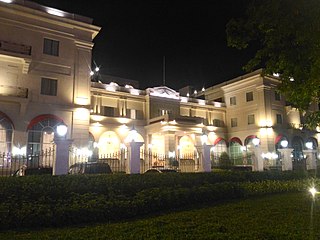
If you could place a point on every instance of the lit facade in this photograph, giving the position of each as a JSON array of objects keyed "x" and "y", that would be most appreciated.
[{"x": 45, "y": 58}]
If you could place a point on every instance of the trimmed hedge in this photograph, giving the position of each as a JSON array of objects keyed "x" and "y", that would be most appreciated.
[{"x": 43, "y": 201}]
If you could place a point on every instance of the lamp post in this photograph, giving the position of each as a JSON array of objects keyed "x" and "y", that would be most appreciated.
[{"x": 61, "y": 164}]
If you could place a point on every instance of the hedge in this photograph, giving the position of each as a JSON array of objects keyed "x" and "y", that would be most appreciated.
[{"x": 46, "y": 201}]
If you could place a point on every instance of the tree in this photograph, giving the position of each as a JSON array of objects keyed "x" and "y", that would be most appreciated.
[{"x": 287, "y": 36}]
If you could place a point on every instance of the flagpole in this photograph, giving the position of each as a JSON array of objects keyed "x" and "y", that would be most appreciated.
[{"x": 164, "y": 70}]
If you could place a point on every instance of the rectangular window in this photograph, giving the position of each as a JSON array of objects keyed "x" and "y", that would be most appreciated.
[
  {"x": 133, "y": 114},
  {"x": 49, "y": 86},
  {"x": 249, "y": 96},
  {"x": 277, "y": 96},
  {"x": 233, "y": 101},
  {"x": 164, "y": 112},
  {"x": 279, "y": 119},
  {"x": 51, "y": 47},
  {"x": 251, "y": 119},
  {"x": 108, "y": 111},
  {"x": 234, "y": 122}
]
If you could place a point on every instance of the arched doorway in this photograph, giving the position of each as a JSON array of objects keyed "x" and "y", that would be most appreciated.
[
  {"x": 109, "y": 145},
  {"x": 40, "y": 147},
  {"x": 219, "y": 148},
  {"x": 235, "y": 151},
  {"x": 249, "y": 149},
  {"x": 297, "y": 153},
  {"x": 41, "y": 133},
  {"x": 188, "y": 160},
  {"x": 186, "y": 148}
]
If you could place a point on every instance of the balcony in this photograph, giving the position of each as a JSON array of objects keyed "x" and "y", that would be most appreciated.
[
  {"x": 15, "y": 48},
  {"x": 11, "y": 91}
]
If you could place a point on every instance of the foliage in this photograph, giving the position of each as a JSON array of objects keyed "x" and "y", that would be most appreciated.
[
  {"x": 286, "y": 34},
  {"x": 224, "y": 160},
  {"x": 268, "y": 217},
  {"x": 43, "y": 201}
]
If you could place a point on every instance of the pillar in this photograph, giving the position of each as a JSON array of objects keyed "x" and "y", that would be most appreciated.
[
  {"x": 257, "y": 160},
  {"x": 311, "y": 160},
  {"x": 133, "y": 166},
  {"x": 61, "y": 164},
  {"x": 205, "y": 161},
  {"x": 286, "y": 158}
]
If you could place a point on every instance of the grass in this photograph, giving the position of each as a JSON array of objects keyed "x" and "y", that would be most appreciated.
[{"x": 282, "y": 216}]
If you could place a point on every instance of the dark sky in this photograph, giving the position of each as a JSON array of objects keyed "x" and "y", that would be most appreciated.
[{"x": 137, "y": 34}]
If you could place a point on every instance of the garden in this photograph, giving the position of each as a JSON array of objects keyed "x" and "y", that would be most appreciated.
[{"x": 34, "y": 203}]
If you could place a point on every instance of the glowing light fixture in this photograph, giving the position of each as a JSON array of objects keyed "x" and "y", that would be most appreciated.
[
  {"x": 284, "y": 143},
  {"x": 55, "y": 12},
  {"x": 313, "y": 191},
  {"x": 309, "y": 145},
  {"x": 256, "y": 141},
  {"x": 6, "y": 1},
  {"x": 62, "y": 130}
]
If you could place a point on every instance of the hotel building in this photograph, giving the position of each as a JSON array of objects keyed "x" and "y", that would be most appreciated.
[{"x": 45, "y": 65}]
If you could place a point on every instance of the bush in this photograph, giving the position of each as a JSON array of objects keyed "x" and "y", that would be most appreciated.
[
  {"x": 44, "y": 201},
  {"x": 225, "y": 162}
]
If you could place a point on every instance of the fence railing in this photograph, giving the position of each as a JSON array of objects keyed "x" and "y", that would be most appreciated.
[{"x": 19, "y": 165}]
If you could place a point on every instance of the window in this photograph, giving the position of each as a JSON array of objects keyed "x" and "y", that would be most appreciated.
[
  {"x": 233, "y": 101},
  {"x": 108, "y": 111},
  {"x": 49, "y": 86},
  {"x": 164, "y": 112},
  {"x": 279, "y": 119},
  {"x": 217, "y": 123},
  {"x": 249, "y": 96},
  {"x": 277, "y": 96},
  {"x": 234, "y": 122},
  {"x": 251, "y": 119},
  {"x": 133, "y": 114},
  {"x": 51, "y": 47}
]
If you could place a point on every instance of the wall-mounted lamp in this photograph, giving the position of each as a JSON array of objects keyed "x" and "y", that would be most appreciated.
[
  {"x": 309, "y": 145},
  {"x": 62, "y": 130},
  {"x": 284, "y": 143},
  {"x": 256, "y": 142}
]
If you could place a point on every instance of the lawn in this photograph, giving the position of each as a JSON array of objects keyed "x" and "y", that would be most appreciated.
[{"x": 281, "y": 216}]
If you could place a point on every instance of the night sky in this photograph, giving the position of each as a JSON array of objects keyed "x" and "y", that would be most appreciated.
[{"x": 137, "y": 34}]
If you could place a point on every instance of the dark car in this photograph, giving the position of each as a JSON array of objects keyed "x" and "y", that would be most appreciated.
[
  {"x": 90, "y": 168},
  {"x": 161, "y": 170}
]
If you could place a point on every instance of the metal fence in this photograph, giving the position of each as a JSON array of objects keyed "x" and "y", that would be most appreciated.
[
  {"x": 20, "y": 165},
  {"x": 182, "y": 163}
]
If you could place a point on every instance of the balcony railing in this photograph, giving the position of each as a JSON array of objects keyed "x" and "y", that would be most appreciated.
[
  {"x": 15, "y": 48},
  {"x": 11, "y": 91}
]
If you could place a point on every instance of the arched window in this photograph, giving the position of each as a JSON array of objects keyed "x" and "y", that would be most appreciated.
[
  {"x": 297, "y": 145},
  {"x": 6, "y": 131},
  {"x": 220, "y": 146},
  {"x": 41, "y": 133},
  {"x": 235, "y": 151}
]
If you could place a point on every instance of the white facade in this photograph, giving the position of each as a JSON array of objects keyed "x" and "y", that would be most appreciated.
[{"x": 45, "y": 80}]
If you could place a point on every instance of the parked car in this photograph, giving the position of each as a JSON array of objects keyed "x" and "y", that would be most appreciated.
[
  {"x": 161, "y": 170},
  {"x": 90, "y": 168}
]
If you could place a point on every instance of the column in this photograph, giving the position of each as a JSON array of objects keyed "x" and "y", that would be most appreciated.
[
  {"x": 133, "y": 166},
  {"x": 61, "y": 164},
  {"x": 205, "y": 160},
  {"x": 257, "y": 160},
  {"x": 286, "y": 158},
  {"x": 311, "y": 160}
]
